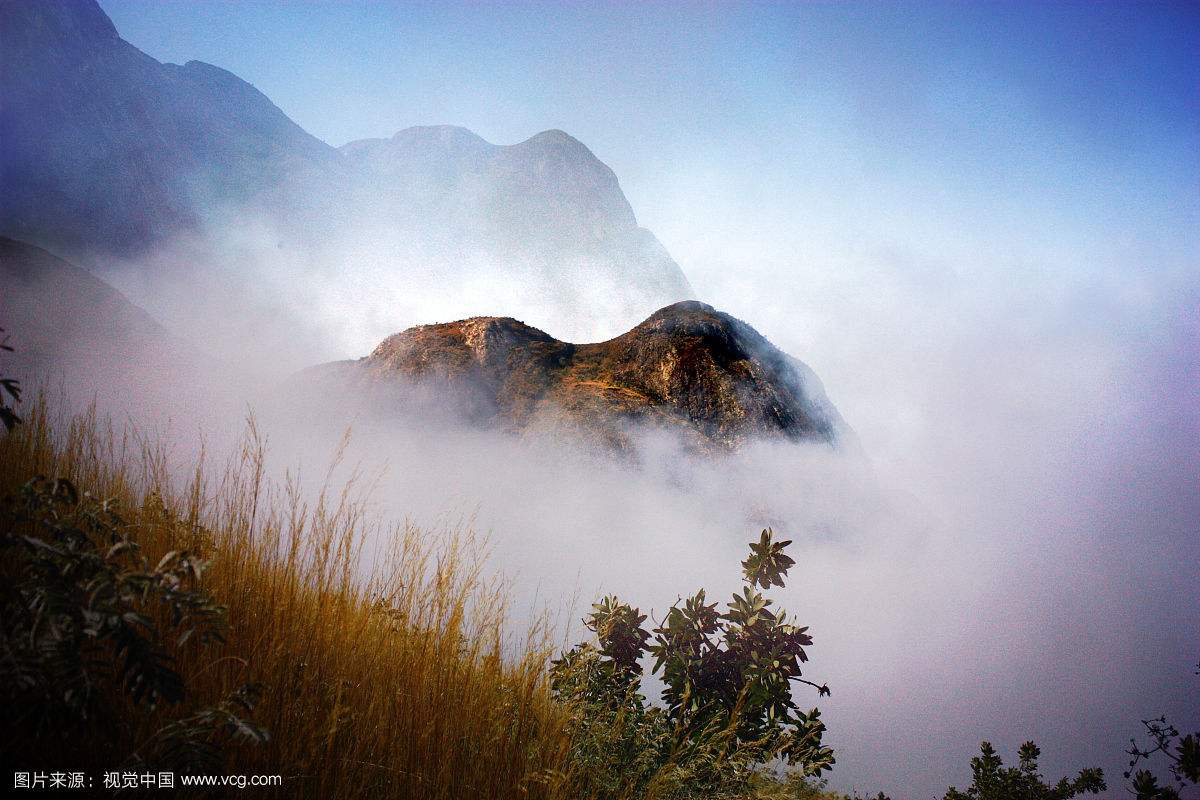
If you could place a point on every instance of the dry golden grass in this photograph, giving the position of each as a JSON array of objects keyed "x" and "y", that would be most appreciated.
[{"x": 381, "y": 649}]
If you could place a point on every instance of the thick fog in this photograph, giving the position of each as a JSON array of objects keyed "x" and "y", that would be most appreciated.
[
  {"x": 1012, "y": 555},
  {"x": 284, "y": 303},
  {"x": 1043, "y": 414},
  {"x": 976, "y": 224}
]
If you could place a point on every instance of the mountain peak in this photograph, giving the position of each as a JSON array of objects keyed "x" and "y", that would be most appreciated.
[
  {"x": 688, "y": 369},
  {"x": 682, "y": 308},
  {"x": 555, "y": 139},
  {"x": 553, "y": 136},
  {"x": 445, "y": 134},
  {"x": 479, "y": 335},
  {"x": 691, "y": 318},
  {"x": 70, "y": 22}
]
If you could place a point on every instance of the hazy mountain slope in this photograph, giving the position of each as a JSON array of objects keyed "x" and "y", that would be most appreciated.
[
  {"x": 544, "y": 213},
  {"x": 107, "y": 151},
  {"x": 548, "y": 192},
  {"x": 55, "y": 313},
  {"x": 190, "y": 171},
  {"x": 688, "y": 369},
  {"x": 72, "y": 332}
]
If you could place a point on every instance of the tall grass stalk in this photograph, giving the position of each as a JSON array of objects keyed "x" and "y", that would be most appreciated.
[{"x": 381, "y": 648}]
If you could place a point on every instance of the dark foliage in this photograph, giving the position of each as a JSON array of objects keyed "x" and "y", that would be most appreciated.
[
  {"x": 991, "y": 780},
  {"x": 1181, "y": 752},
  {"x": 727, "y": 704},
  {"x": 90, "y": 629},
  {"x": 10, "y": 393}
]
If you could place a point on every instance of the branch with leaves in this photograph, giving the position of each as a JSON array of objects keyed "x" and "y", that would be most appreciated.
[
  {"x": 90, "y": 629},
  {"x": 1181, "y": 752},
  {"x": 727, "y": 675}
]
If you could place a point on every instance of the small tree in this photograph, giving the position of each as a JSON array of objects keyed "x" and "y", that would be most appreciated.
[
  {"x": 1182, "y": 753},
  {"x": 728, "y": 685},
  {"x": 991, "y": 780}
]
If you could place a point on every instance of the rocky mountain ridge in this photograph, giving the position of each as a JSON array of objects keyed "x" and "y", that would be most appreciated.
[{"x": 688, "y": 370}]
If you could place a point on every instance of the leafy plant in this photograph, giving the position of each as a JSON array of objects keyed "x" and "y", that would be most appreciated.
[
  {"x": 991, "y": 780},
  {"x": 727, "y": 700},
  {"x": 86, "y": 619},
  {"x": 1182, "y": 752},
  {"x": 198, "y": 743}
]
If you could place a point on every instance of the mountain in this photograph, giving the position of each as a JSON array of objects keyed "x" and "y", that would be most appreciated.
[
  {"x": 72, "y": 332},
  {"x": 110, "y": 156},
  {"x": 545, "y": 213},
  {"x": 687, "y": 369},
  {"x": 56, "y": 314},
  {"x": 106, "y": 151}
]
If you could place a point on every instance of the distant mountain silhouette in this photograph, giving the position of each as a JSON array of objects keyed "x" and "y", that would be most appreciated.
[
  {"x": 70, "y": 330},
  {"x": 687, "y": 369},
  {"x": 109, "y": 153},
  {"x": 106, "y": 151},
  {"x": 545, "y": 213},
  {"x": 80, "y": 340},
  {"x": 54, "y": 312}
]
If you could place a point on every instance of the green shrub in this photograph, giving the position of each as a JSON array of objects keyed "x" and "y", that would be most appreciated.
[
  {"x": 727, "y": 709},
  {"x": 89, "y": 631},
  {"x": 1181, "y": 752},
  {"x": 991, "y": 780}
]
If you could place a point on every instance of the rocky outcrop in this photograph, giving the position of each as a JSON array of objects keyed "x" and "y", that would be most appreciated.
[{"x": 687, "y": 369}]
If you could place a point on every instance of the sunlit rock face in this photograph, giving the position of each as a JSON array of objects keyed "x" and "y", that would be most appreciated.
[{"x": 687, "y": 369}]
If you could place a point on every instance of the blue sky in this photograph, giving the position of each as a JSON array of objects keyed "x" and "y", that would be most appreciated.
[
  {"x": 827, "y": 145},
  {"x": 1084, "y": 112},
  {"x": 977, "y": 222}
]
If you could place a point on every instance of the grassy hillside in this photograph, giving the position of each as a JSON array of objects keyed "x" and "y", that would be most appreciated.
[
  {"x": 352, "y": 658},
  {"x": 392, "y": 686}
]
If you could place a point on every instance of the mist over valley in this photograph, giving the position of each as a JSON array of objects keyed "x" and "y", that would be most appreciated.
[{"x": 964, "y": 395}]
